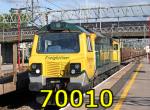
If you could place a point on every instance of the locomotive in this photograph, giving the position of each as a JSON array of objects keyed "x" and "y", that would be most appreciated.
[{"x": 68, "y": 56}]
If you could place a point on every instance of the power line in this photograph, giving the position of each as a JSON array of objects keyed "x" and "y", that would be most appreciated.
[
  {"x": 110, "y": 12},
  {"x": 52, "y": 3}
]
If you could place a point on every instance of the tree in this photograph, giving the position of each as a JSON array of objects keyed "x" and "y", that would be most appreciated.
[{"x": 10, "y": 20}]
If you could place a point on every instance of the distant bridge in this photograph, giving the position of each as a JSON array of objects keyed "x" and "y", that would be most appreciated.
[
  {"x": 126, "y": 29},
  {"x": 11, "y": 35}
]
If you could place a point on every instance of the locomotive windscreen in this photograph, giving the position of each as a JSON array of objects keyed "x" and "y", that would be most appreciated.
[{"x": 58, "y": 43}]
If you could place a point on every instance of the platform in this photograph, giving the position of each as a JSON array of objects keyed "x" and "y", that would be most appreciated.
[
  {"x": 130, "y": 87},
  {"x": 136, "y": 93},
  {"x": 6, "y": 69},
  {"x": 9, "y": 79}
]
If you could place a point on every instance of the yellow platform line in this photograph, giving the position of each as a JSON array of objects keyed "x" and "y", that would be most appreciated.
[{"x": 126, "y": 89}]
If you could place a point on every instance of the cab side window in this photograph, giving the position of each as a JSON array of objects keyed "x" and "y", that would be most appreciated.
[{"x": 89, "y": 44}]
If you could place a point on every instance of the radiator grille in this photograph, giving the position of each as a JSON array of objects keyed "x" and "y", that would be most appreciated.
[{"x": 55, "y": 69}]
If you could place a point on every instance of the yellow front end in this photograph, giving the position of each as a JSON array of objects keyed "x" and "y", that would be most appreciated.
[
  {"x": 55, "y": 68},
  {"x": 116, "y": 51}
]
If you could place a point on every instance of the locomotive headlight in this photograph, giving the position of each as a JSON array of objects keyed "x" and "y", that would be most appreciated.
[
  {"x": 75, "y": 68},
  {"x": 73, "y": 71},
  {"x": 36, "y": 68},
  {"x": 37, "y": 71},
  {"x": 33, "y": 66}
]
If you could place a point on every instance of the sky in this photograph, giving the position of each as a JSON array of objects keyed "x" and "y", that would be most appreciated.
[{"x": 5, "y": 5}]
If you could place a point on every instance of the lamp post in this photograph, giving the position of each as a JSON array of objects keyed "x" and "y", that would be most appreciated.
[
  {"x": 18, "y": 10},
  {"x": 18, "y": 39}
]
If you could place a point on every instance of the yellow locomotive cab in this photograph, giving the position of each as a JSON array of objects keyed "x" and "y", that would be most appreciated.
[{"x": 62, "y": 57}]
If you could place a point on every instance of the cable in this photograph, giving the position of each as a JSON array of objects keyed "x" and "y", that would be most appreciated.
[{"x": 54, "y": 4}]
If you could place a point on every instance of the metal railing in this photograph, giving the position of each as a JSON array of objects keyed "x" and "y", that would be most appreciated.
[
  {"x": 123, "y": 29},
  {"x": 15, "y": 33}
]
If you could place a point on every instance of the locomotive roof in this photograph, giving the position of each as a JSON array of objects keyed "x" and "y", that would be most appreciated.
[
  {"x": 68, "y": 27},
  {"x": 63, "y": 27}
]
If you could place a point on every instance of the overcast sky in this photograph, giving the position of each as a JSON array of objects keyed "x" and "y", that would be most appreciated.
[{"x": 5, "y": 5}]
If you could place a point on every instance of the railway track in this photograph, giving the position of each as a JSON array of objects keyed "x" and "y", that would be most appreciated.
[
  {"x": 22, "y": 100},
  {"x": 26, "y": 100}
]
